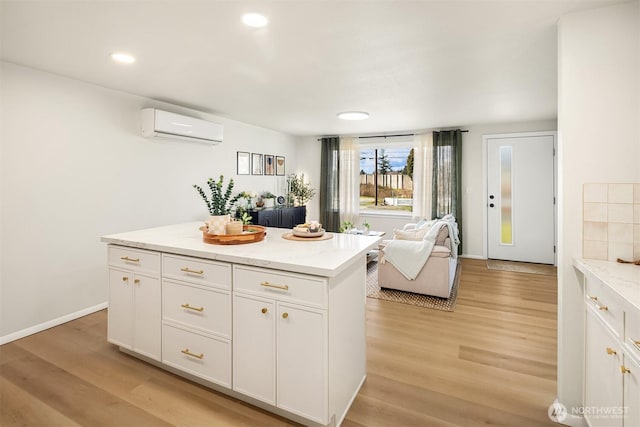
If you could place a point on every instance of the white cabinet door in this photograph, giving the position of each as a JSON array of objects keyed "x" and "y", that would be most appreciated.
[
  {"x": 147, "y": 318},
  {"x": 120, "y": 308},
  {"x": 603, "y": 382},
  {"x": 632, "y": 393},
  {"x": 302, "y": 374},
  {"x": 254, "y": 351}
]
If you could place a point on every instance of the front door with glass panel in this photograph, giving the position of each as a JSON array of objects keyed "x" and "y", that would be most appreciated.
[{"x": 520, "y": 199}]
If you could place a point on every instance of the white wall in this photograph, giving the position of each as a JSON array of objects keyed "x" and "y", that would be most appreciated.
[
  {"x": 74, "y": 167},
  {"x": 598, "y": 141},
  {"x": 472, "y": 200}
]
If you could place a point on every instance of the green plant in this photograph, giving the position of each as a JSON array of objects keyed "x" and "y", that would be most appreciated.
[
  {"x": 220, "y": 202},
  {"x": 299, "y": 190},
  {"x": 345, "y": 226},
  {"x": 267, "y": 195},
  {"x": 366, "y": 225},
  {"x": 246, "y": 218}
]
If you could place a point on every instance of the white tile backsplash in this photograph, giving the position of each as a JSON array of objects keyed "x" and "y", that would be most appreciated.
[
  {"x": 595, "y": 212},
  {"x": 620, "y": 212},
  {"x": 620, "y": 193},
  {"x": 596, "y": 193},
  {"x": 611, "y": 221}
]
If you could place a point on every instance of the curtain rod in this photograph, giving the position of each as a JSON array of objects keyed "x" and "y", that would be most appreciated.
[{"x": 392, "y": 136}]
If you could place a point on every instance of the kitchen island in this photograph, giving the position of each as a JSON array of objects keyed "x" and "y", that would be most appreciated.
[{"x": 278, "y": 323}]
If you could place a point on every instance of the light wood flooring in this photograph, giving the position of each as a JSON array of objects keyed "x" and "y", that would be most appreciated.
[{"x": 490, "y": 362}]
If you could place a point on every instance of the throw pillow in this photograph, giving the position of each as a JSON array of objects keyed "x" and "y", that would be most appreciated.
[{"x": 417, "y": 234}]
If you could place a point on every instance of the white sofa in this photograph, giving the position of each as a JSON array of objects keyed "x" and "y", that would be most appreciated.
[{"x": 437, "y": 275}]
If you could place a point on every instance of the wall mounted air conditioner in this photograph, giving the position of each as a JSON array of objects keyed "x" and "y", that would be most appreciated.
[{"x": 163, "y": 124}]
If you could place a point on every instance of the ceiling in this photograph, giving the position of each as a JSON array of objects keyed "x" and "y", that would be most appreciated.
[{"x": 411, "y": 64}]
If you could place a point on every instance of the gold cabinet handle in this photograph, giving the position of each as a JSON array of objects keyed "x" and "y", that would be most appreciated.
[
  {"x": 264, "y": 310},
  {"x": 625, "y": 370},
  {"x": 270, "y": 285},
  {"x": 126, "y": 258},
  {"x": 597, "y": 303},
  {"x": 125, "y": 279},
  {"x": 611, "y": 352},
  {"x": 188, "y": 270},
  {"x": 188, "y": 307},
  {"x": 285, "y": 315},
  {"x": 136, "y": 281},
  {"x": 188, "y": 353}
]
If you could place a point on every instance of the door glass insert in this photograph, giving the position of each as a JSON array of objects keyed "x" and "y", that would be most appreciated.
[{"x": 506, "y": 212}]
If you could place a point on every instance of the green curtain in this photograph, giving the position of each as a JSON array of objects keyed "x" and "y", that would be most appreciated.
[
  {"x": 330, "y": 184},
  {"x": 447, "y": 177}
]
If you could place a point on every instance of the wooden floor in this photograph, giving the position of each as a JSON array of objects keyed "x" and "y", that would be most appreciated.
[{"x": 491, "y": 362}]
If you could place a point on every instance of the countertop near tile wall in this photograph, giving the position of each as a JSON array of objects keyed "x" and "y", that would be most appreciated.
[{"x": 611, "y": 221}]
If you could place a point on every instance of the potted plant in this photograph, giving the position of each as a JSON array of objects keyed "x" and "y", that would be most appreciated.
[
  {"x": 300, "y": 191},
  {"x": 269, "y": 199},
  {"x": 219, "y": 204},
  {"x": 247, "y": 196}
]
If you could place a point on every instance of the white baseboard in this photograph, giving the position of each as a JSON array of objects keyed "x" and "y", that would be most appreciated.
[
  {"x": 51, "y": 323},
  {"x": 471, "y": 256}
]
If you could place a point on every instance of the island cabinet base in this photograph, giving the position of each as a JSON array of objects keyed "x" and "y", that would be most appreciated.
[{"x": 290, "y": 343}]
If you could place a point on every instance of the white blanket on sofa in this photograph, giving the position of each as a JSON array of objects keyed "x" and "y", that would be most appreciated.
[{"x": 409, "y": 256}]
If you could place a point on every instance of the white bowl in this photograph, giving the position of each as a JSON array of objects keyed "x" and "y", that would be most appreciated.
[{"x": 306, "y": 233}]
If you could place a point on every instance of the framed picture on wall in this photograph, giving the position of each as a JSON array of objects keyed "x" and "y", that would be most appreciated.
[
  {"x": 269, "y": 165},
  {"x": 244, "y": 163},
  {"x": 256, "y": 164},
  {"x": 280, "y": 165}
]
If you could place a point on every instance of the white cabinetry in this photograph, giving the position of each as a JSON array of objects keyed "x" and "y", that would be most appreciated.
[
  {"x": 277, "y": 324},
  {"x": 196, "y": 321},
  {"x": 134, "y": 301},
  {"x": 280, "y": 340},
  {"x": 612, "y": 386}
]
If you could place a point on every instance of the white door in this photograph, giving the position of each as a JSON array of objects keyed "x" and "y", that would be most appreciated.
[{"x": 520, "y": 199}]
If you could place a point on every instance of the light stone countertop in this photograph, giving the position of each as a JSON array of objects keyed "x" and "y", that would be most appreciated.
[
  {"x": 624, "y": 279},
  {"x": 326, "y": 258}
]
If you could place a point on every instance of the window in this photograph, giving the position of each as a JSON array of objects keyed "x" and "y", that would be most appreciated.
[{"x": 386, "y": 179}]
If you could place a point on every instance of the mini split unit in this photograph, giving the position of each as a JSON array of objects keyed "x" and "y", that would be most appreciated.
[{"x": 163, "y": 124}]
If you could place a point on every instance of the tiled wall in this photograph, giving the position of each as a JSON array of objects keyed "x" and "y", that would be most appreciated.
[{"x": 611, "y": 221}]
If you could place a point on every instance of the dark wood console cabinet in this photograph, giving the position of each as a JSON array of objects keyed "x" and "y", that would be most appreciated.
[{"x": 285, "y": 217}]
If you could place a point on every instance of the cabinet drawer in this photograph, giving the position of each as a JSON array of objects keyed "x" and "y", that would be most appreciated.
[
  {"x": 205, "y": 357},
  {"x": 134, "y": 259},
  {"x": 281, "y": 286},
  {"x": 208, "y": 310},
  {"x": 632, "y": 330},
  {"x": 607, "y": 304},
  {"x": 196, "y": 270}
]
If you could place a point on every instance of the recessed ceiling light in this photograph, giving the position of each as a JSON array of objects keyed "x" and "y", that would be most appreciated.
[
  {"x": 255, "y": 20},
  {"x": 124, "y": 58},
  {"x": 353, "y": 115}
]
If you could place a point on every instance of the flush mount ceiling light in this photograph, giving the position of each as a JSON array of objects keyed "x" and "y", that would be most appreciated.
[
  {"x": 123, "y": 58},
  {"x": 255, "y": 20},
  {"x": 353, "y": 115}
]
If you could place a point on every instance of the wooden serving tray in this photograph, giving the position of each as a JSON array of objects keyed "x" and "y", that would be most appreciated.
[{"x": 251, "y": 234}]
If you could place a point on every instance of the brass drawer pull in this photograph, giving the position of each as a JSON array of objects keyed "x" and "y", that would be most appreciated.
[
  {"x": 597, "y": 303},
  {"x": 188, "y": 353},
  {"x": 188, "y": 270},
  {"x": 269, "y": 285},
  {"x": 188, "y": 307},
  {"x": 125, "y": 279},
  {"x": 136, "y": 281},
  {"x": 264, "y": 310},
  {"x": 126, "y": 258},
  {"x": 611, "y": 352},
  {"x": 625, "y": 370},
  {"x": 285, "y": 315}
]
